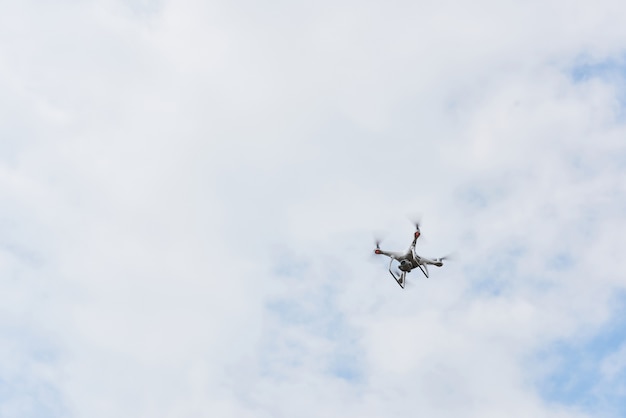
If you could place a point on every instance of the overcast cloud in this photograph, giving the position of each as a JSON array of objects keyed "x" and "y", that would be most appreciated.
[{"x": 189, "y": 192}]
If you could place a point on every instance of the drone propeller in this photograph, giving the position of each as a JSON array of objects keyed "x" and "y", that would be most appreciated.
[
  {"x": 377, "y": 250},
  {"x": 416, "y": 220},
  {"x": 452, "y": 256},
  {"x": 417, "y": 229},
  {"x": 441, "y": 259}
]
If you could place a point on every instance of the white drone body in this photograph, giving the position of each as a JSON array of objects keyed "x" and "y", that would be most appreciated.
[{"x": 408, "y": 260}]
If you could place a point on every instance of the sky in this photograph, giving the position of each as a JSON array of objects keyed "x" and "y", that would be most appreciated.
[{"x": 190, "y": 190}]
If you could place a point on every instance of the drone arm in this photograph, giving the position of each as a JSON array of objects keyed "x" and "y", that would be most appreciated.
[
  {"x": 435, "y": 262},
  {"x": 412, "y": 247},
  {"x": 390, "y": 254}
]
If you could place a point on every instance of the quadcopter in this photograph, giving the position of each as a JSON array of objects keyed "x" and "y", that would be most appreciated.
[{"x": 408, "y": 260}]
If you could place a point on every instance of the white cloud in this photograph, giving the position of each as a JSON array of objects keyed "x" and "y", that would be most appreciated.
[{"x": 188, "y": 191}]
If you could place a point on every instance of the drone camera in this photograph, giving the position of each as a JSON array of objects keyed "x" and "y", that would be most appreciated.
[{"x": 405, "y": 266}]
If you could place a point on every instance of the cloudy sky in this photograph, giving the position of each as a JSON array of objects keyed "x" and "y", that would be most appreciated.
[{"x": 189, "y": 192}]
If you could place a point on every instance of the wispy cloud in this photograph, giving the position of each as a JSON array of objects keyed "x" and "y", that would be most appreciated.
[{"x": 188, "y": 192}]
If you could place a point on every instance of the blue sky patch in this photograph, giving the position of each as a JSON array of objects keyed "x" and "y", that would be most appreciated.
[
  {"x": 608, "y": 68},
  {"x": 303, "y": 317},
  {"x": 577, "y": 379},
  {"x": 611, "y": 70},
  {"x": 561, "y": 261}
]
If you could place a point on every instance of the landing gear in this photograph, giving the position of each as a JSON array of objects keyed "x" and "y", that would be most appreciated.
[
  {"x": 424, "y": 269},
  {"x": 400, "y": 278}
]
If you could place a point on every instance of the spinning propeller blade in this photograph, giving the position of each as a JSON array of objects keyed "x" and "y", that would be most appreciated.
[
  {"x": 451, "y": 256},
  {"x": 377, "y": 250},
  {"x": 417, "y": 229},
  {"x": 416, "y": 220}
]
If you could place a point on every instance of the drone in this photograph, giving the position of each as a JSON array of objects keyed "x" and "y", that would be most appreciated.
[{"x": 408, "y": 260}]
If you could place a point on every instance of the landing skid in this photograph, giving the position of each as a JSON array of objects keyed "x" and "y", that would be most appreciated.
[
  {"x": 400, "y": 279},
  {"x": 424, "y": 269}
]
